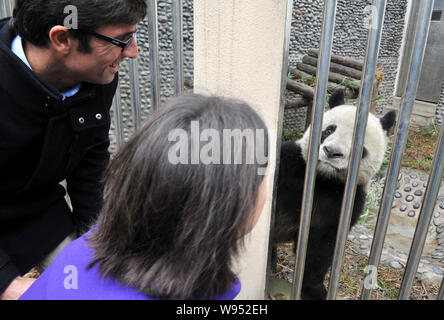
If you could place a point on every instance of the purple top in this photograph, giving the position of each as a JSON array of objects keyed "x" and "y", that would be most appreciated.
[{"x": 67, "y": 278}]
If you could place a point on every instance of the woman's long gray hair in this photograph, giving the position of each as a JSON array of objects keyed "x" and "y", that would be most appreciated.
[{"x": 172, "y": 230}]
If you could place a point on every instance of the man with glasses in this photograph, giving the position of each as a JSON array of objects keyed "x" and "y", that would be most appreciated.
[{"x": 56, "y": 88}]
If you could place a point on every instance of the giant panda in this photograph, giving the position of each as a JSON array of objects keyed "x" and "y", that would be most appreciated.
[{"x": 331, "y": 172}]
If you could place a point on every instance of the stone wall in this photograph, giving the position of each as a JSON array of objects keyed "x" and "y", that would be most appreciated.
[
  {"x": 165, "y": 61},
  {"x": 350, "y": 39}
]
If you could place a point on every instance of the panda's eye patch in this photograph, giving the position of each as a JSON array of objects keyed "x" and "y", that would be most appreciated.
[{"x": 328, "y": 131}]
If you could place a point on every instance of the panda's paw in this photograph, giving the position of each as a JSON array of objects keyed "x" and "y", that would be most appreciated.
[{"x": 313, "y": 293}]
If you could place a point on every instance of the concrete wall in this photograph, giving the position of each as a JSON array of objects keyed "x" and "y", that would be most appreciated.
[{"x": 232, "y": 39}]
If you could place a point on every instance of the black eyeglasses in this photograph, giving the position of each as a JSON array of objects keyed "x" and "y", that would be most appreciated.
[{"x": 114, "y": 41}]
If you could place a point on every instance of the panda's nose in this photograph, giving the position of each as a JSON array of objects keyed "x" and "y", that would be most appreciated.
[{"x": 332, "y": 152}]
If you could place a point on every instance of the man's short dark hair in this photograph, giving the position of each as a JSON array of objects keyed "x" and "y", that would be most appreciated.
[
  {"x": 173, "y": 230},
  {"x": 33, "y": 19}
]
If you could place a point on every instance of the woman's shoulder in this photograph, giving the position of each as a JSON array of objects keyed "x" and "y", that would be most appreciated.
[
  {"x": 232, "y": 292},
  {"x": 69, "y": 278}
]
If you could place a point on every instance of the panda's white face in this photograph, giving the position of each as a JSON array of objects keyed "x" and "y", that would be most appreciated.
[{"x": 336, "y": 144}]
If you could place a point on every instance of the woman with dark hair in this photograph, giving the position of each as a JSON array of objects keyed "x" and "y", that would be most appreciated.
[{"x": 179, "y": 198}]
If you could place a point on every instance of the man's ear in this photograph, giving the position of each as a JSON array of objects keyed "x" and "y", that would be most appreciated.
[{"x": 60, "y": 39}]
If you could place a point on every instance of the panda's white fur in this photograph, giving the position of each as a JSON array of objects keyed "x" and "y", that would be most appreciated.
[{"x": 343, "y": 117}]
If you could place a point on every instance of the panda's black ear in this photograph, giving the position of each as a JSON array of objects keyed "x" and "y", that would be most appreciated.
[
  {"x": 388, "y": 120},
  {"x": 336, "y": 99}
]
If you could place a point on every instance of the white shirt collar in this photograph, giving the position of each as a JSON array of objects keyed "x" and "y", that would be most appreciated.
[{"x": 17, "y": 48}]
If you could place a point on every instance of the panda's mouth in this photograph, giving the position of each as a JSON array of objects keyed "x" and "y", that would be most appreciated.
[{"x": 338, "y": 170}]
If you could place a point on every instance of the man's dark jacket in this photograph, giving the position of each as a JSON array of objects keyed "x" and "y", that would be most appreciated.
[{"x": 43, "y": 141}]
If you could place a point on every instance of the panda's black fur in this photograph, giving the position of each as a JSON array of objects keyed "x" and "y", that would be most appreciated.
[{"x": 327, "y": 203}]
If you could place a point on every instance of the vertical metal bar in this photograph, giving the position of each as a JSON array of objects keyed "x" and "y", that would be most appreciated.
[
  {"x": 406, "y": 106},
  {"x": 177, "y": 8},
  {"x": 425, "y": 216},
  {"x": 315, "y": 137},
  {"x": 154, "y": 53},
  {"x": 135, "y": 91},
  {"x": 365, "y": 94},
  {"x": 408, "y": 41},
  {"x": 284, "y": 75},
  {"x": 8, "y": 8},
  {"x": 118, "y": 118},
  {"x": 441, "y": 291},
  {"x": 3, "y": 10}
]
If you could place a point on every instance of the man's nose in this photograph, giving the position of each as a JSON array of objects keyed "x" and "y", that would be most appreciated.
[{"x": 132, "y": 51}]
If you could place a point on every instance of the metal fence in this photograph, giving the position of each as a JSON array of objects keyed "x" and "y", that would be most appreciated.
[
  {"x": 154, "y": 67},
  {"x": 420, "y": 15}
]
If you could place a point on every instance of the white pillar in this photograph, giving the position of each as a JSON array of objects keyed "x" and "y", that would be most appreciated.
[{"x": 239, "y": 52}]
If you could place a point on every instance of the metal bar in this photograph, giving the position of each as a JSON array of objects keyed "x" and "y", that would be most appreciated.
[
  {"x": 365, "y": 94},
  {"x": 3, "y": 10},
  {"x": 409, "y": 37},
  {"x": 424, "y": 219},
  {"x": 118, "y": 118},
  {"x": 441, "y": 291},
  {"x": 8, "y": 8},
  {"x": 284, "y": 75},
  {"x": 401, "y": 134},
  {"x": 177, "y": 8},
  {"x": 315, "y": 137},
  {"x": 154, "y": 53},
  {"x": 135, "y": 91}
]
